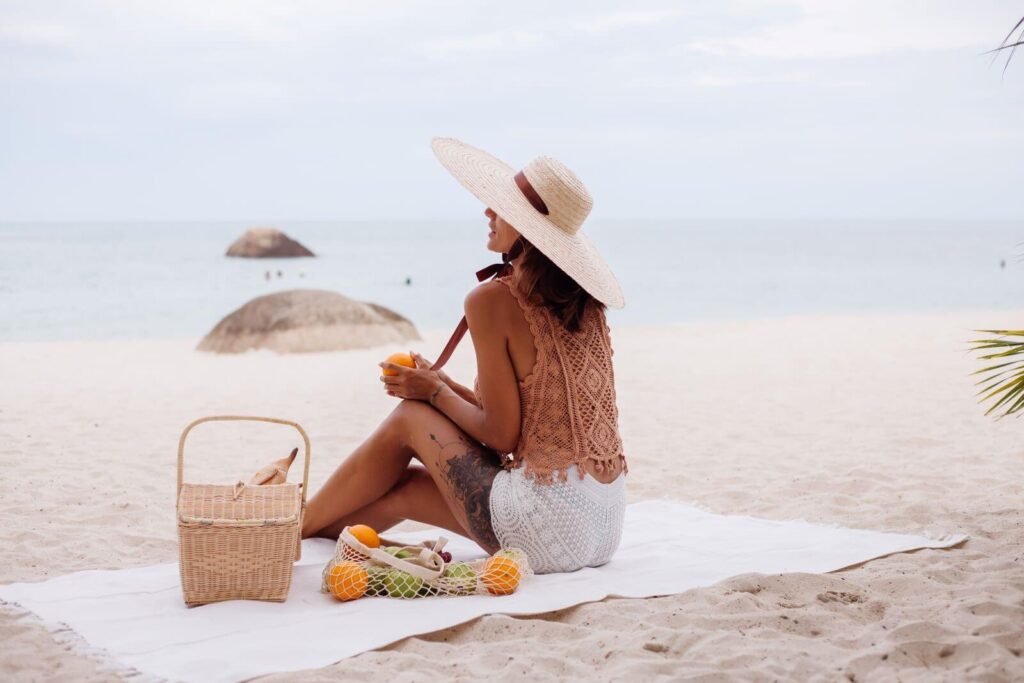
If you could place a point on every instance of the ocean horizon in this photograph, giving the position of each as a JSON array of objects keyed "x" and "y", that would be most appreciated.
[{"x": 145, "y": 280}]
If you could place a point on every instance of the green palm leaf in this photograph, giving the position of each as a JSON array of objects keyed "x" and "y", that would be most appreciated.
[{"x": 1006, "y": 376}]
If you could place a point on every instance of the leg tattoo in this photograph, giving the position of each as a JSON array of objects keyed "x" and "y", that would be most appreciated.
[{"x": 469, "y": 474}]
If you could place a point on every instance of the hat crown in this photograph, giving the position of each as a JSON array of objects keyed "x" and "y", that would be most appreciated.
[{"x": 564, "y": 194}]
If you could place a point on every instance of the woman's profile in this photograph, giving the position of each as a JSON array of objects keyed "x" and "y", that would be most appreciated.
[{"x": 530, "y": 457}]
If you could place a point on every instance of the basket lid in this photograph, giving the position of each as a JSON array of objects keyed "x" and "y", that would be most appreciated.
[{"x": 254, "y": 505}]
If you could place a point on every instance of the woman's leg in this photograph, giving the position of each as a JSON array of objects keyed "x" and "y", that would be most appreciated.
[
  {"x": 414, "y": 497},
  {"x": 372, "y": 470},
  {"x": 462, "y": 469}
]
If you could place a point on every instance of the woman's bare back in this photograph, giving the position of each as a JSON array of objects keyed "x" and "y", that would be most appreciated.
[{"x": 523, "y": 354}]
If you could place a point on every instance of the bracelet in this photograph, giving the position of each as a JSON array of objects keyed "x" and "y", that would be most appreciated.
[{"x": 440, "y": 386}]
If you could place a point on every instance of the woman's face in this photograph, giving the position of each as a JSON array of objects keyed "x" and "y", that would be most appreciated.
[{"x": 502, "y": 235}]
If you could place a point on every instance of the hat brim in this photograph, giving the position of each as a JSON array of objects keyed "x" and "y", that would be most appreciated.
[{"x": 492, "y": 181}]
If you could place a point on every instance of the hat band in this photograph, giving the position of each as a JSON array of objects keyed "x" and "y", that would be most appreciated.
[{"x": 531, "y": 194}]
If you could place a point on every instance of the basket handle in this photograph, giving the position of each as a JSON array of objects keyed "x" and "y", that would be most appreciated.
[{"x": 247, "y": 418}]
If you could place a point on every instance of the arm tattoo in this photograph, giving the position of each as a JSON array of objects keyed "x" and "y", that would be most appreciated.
[
  {"x": 469, "y": 474},
  {"x": 433, "y": 396}
]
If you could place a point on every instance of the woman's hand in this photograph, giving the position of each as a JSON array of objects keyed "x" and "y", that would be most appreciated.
[
  {"x": 425, "y": 364},
  {"x": 419, "y": 383}
]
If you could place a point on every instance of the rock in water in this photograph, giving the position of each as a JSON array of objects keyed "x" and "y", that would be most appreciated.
[
  {"x": 267, "y": 243},
  {"x": 307, "y": 320}
]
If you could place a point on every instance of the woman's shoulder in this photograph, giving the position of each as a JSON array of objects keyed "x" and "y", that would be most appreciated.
[
  {"x": 502, "y": 291},
  {"x": 491, "y": 300},
  {"x": 486, "y": 294},
  {"x": 483, "y": 290}
]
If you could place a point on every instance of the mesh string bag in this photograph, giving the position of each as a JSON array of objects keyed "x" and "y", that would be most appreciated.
[{"x": 400, "y": 571}]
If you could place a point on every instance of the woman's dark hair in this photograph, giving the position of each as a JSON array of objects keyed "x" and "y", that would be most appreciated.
[{"x": 540, "y": 277}]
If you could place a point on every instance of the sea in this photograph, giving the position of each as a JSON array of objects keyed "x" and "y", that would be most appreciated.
[{"x": 146, "y": 280}]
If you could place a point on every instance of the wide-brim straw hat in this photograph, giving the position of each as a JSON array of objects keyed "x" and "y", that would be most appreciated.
[{"x": 545, "y": 202}]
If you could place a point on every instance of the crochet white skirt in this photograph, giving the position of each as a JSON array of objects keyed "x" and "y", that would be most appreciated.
[{"x": 562, "y": 526}]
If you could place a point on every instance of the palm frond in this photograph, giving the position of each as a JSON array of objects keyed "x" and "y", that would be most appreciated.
[
  {"x": 1006, "y": 45},
  {"x": 1005, "y": 377}
]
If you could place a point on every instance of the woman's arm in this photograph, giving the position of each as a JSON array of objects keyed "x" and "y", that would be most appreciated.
[
  {"x": 463, "y": 391},
  {"x": 494, "y": 421},
  {"x": 494, "y": 418}
]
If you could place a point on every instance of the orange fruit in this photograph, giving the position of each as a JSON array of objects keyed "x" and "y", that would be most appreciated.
[
  {"x": 347, "y": 580},
  {"x": 501, "y": 575},
  {"x": 366, "y": 535},
  {"x": 399, "y": 359}
]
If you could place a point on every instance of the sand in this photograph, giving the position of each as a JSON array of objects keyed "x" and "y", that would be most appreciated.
[{"x": 863, "y": 421}]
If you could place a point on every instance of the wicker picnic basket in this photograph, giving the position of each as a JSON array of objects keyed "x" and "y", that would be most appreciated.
[{"x": 237, "y": 541}]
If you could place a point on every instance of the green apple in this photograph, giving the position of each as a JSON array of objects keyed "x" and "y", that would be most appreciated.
[
  {"x": 513, "y": 554},
  {"x": 462, "y": 578},
  {"x": 376, "y": 576},
  {"x": 401, "y": 584}
]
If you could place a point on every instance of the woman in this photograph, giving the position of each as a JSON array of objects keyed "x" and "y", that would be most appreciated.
[{"x": 544, "y": 396}]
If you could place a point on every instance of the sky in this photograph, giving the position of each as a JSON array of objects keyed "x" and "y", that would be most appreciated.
[{"x": 324, "y": 109}]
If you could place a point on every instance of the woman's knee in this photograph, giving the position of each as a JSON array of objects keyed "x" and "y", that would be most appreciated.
[
  {"x": 410, "y": 409},
  {"x": 395, "y": 426},
  {"x": 407, "y": 417}
]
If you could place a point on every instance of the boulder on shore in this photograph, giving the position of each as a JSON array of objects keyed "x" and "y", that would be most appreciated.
[
  {"x": 307, "y": 320},
  {"x": 267, "y": 243}
]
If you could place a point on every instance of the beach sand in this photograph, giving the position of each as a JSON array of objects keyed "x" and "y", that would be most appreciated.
[{"x": 861, "y": 421}]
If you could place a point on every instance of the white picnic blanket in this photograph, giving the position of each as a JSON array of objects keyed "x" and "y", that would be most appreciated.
[{"x": 135, "y": 621}]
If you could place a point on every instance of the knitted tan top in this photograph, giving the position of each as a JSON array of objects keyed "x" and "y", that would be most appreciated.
[{"x": 567, "y": 402}]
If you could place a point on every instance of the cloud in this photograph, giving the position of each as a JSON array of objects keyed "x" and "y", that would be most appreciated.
[
  {"x": 504, "y": 40},
  {"x": 545, "y": 31},
  {"x": 805, "y": 77},
  {"x": 36, "y": 35},
  {"x": 268, "y": 106},
  {"x": 832, "y": 30},
  {"x": 600, "y": 24}
]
